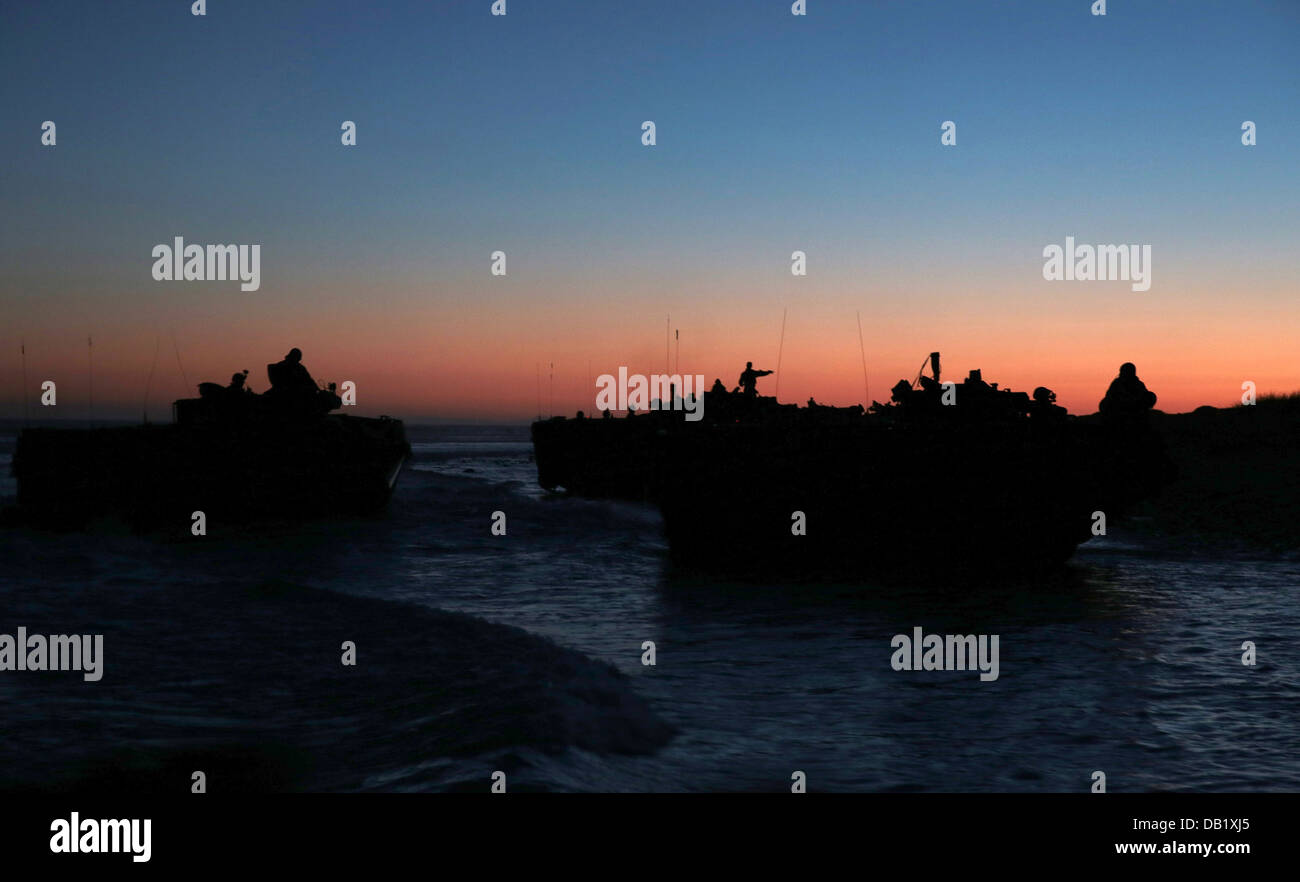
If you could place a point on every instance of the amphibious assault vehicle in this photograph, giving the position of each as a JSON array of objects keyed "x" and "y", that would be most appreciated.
[
  {"x": 945, "y": 476},
  {"x": 233, "y": 455}
]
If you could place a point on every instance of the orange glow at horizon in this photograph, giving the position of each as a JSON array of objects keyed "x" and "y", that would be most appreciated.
[{"x": 486, "y": 357}]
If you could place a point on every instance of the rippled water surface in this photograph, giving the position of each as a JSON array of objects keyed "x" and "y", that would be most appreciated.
[{"x": 523, "y": 653}]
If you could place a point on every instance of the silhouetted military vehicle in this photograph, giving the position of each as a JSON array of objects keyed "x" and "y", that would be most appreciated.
[
  {"x": 944, "y": 477},
  {"x": 231, "y": 454}
]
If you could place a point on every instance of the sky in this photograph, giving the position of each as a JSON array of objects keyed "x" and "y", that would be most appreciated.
[{"x": 523, "y": 134}]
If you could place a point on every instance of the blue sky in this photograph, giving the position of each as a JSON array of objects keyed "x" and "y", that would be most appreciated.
[{"x": 474, "y": 131}]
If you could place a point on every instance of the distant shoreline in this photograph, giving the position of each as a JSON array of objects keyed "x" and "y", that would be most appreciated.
[{"x": 1238, "y": 475}]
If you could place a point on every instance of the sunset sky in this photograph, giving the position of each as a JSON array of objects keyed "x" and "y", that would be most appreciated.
[{"x": 522, "y": 133}]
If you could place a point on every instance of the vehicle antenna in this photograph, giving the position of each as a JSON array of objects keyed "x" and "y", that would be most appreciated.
[
  {"x": 177, "y": 350},
  {"x": 866, "y": 390},
  {"x": 780, "y": 349},
  {"x": 157, "y": 344}
]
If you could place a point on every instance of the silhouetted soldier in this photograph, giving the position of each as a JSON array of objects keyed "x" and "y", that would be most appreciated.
[
  {"x": 975, "y": 383},
  {"x": 294, "y": 390},
  {"x": 901, "y": 394},
  {"x": 237, "y": 386},
  {"x": 1128, "y": 399},
  {"x": 1045, "y": 407},
  {"x": 749, "y": 379},
  {"x": 1139, "y": 461},
  {"x": 290, "y": 376}
]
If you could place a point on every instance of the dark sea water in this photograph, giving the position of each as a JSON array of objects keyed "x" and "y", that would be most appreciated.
[{"x": 522, "y": 653}]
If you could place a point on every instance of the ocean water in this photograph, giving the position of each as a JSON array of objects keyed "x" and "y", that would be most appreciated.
[{"x": 522, "y": 653}]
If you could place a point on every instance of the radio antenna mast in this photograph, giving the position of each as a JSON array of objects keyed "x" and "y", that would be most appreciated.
[
  {"x": 177, "y": 350},
  {"x": 779, "y": 350},
  {"x": 866, "y": 390},
  {"x": 157, "y": 343}
]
